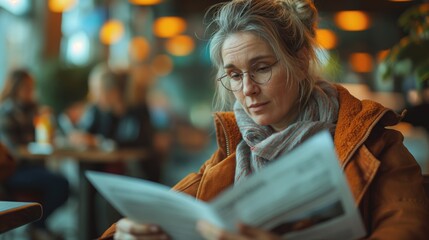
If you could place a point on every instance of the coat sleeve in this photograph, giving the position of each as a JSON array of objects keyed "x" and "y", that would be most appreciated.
[
  {"x": 398, "y": 206},
  {"x": 191, "y": 183}
]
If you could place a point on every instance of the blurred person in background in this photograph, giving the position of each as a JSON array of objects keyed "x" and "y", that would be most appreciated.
[
  {"x": 418, "y": 113},
  {"x": 68, "y": 120},
  {"x": 115, "y": 118},
  {"x": 18, "y": 110},
  {"x": 111, "y": 120},
  {"x": 265, "y": 53}
]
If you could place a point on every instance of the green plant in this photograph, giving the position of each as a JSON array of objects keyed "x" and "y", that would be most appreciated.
[
  {"x": 410, "y": 57},
  {"x": 60, "y": 84}
]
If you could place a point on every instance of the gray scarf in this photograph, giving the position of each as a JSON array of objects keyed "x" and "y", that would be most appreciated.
[{"x": 261, "y": 144}]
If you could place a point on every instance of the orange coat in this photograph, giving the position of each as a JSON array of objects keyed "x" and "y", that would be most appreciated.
[{"x": 384, "y": 178}]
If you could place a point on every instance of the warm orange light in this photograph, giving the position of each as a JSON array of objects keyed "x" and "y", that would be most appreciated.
[
  {"x": 181, "y": 45},
  {"x": 111, "y": 32},
  {"x": 162, "y": 65},
  {"x": 352, "y": 20},
  {"x": 424, "y": 7},
  {"x": 326, "y": 38},
  {"x": 15, "y": 2},
  {"x": 145, "y": 2},
  {"x": 361, "y": 62},
  {"x": 139, "y": 49},
  {"x": 61, "y": 5},
  {"x": 166, "y": 27},
  {"x": 400, "y": 0},
  {"x": 381, "y": 55}
]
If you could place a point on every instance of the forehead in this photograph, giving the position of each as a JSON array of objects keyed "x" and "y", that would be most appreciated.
[{"x": 244, "y": 47}]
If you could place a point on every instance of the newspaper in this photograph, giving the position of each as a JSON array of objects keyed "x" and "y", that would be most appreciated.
[{"x": 301, "y": 195}]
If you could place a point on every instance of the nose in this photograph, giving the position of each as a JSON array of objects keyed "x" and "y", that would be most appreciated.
[{"x": 249, "y": 86}]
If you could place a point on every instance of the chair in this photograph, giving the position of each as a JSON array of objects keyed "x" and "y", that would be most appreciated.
[{"x": 426, "y": 184}]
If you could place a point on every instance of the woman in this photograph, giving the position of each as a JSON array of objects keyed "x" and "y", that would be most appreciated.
[
  {"x": 264, "y": 51},
  {"x": 18, "y": 109}
]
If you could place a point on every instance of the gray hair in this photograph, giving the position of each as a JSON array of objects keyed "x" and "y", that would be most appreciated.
[{"x": 288, "y": 26}]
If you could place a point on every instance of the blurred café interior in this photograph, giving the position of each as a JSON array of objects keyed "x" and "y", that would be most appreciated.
[{"x": 378, "y": 49}]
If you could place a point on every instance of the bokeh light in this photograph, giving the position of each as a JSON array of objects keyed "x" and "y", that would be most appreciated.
[
  {"x": 181, "y": 45},
  {"x": 145, "y": 2},
  {"x": 165, "y": 27},
  {"x": 352, "y": 20},
  {"x": 60, "y": 6},
  {"x": 78, "y": 48},
  {"x": 326, "y": 38},
  {"x": 111, "y": 32},
  {"x": 361, "y": 62},
  {"x": 139, "y": 49}
]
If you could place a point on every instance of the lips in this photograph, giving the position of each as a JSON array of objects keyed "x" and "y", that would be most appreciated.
[{"x": 257, "y": 105}]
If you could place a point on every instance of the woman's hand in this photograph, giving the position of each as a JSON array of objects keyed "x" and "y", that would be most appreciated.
[
  {"x": 210, "y": 231},
  {"x": 129, "y": 230},
  {"x": 81, "y": 139}
]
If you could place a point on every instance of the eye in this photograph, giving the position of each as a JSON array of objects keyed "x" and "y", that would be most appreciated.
[
  {"x": 262, "y": 68},
  {"x": 234, "y": 76}
]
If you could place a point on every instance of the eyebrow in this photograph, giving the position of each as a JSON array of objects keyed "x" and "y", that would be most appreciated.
[{"x": 252, "y": 61}]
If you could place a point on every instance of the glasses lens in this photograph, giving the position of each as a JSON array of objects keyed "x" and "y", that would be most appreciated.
[
  {"x": 231, "y": 84},
  {"x": 262, "y": 75}
]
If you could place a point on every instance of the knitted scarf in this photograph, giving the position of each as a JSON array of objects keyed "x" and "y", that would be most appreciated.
[{"x": 261, "y": 144}]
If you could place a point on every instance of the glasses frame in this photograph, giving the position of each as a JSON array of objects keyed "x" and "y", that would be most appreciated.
[{"x": 250, "y": 76}]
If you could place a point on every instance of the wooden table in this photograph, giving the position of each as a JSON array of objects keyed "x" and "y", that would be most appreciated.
[
  {"x": 88, "y": 159},
  {"x": 16, "y": 214},
  {"x": 92, "y": 155}
]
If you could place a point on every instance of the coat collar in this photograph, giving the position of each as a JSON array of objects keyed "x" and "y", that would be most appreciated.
[{"x": 356, "y": 120}]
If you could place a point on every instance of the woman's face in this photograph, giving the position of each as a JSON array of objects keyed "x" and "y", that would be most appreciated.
[
  {"x": 273, "y": 103},
  {"x": 25, "y": 92}
]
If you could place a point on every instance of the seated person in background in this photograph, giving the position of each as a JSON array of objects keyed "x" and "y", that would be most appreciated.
[
  {"x": 18, "y": 109},
  {"x": 110, "y": 121},
  {"x": 265, "y": 54},
  {"x": 68, "y": 120},
  {"x": 418, "y": 114}
]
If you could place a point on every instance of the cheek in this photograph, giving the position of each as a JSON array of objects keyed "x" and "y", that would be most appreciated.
[
  {"x": 240, "y": 98},
  {"x": 285, "y": 95}
]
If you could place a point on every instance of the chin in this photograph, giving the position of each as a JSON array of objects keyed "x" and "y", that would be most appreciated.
[{"x": 261, "y": 121}]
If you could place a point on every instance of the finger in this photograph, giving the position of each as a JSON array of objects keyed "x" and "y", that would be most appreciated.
[
  {"x": 126, "y": 236},
  {"x": 122, "y": 236},
  {"x": 209, "y": 231},
  {"x": 212, "y": 232},
  {"x": 128, "y": 226},
  {"x": 255, "y": 233}
]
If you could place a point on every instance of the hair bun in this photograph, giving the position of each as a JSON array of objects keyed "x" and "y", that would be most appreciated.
[{"x": 305, "y": 11}]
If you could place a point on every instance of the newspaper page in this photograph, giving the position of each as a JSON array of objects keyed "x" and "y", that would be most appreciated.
[
  {"x": 147, "y": 202},
  {"x": 301, "y": 195}
]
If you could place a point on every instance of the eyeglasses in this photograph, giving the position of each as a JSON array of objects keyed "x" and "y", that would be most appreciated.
[{"x": 260, "y": 74}]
